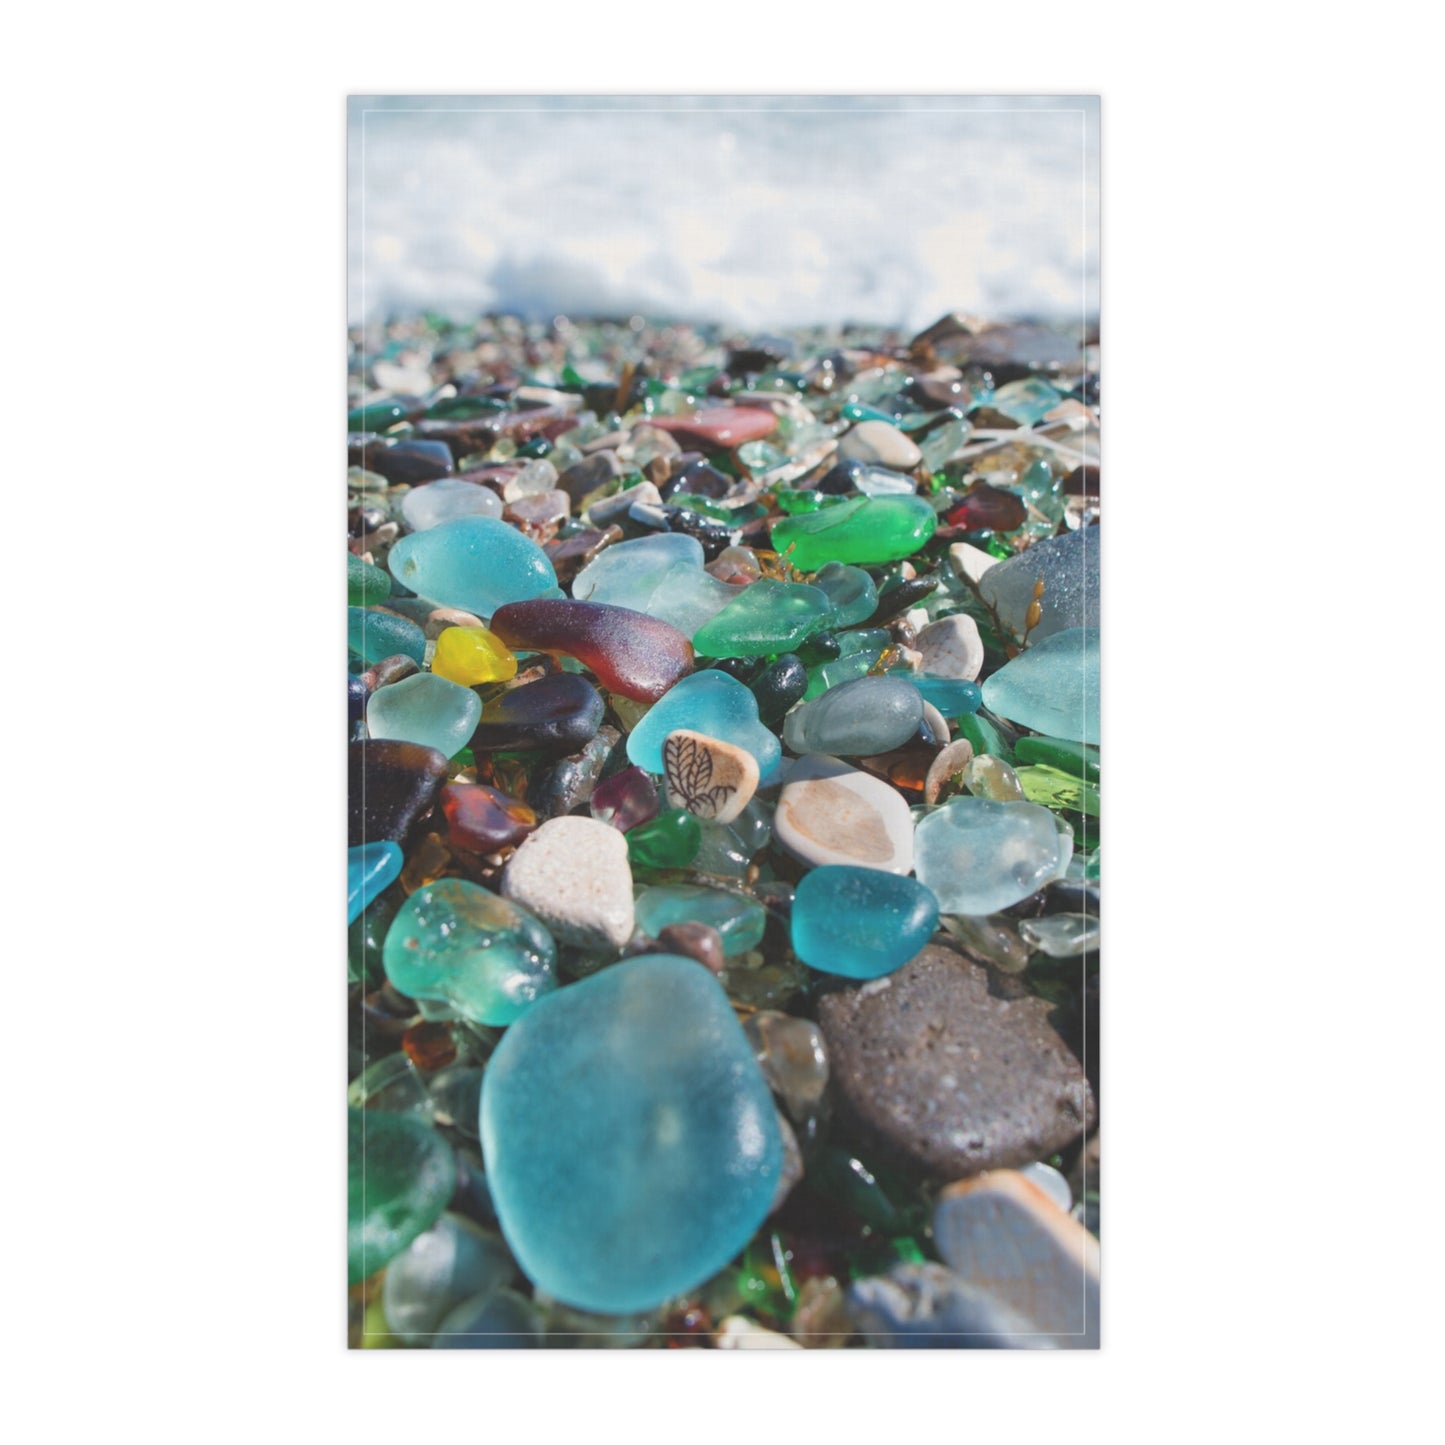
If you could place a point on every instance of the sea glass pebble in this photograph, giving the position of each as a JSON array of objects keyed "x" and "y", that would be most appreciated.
[
  {"x": 860, "y": 922},
  {"x": 425, "y": 709},
  {"x": 453, "y": 1261},
  {"x": 631, "y": 1143},
  {"x": 482, "y": 820},
  {"x": 627, "y": 574},
  {"x": 365, "y": 584},
  {"x": 670, "y": 840},
  {"x": 1052, "y": 687},
  {"x": 639, "y": 657},
  {"x": 557, "y": 713},
  {"x": 858, "y": 719},
  {"x": 472, "y": 655},
  {"x": 444, "y": 501},
  {"x": 765, "y": 618},
  {"x": 373, "y": 636},
  {"x": 712, "y": 703},
  {"x": 850, "y": 590},
  {"x": 981, "y": 857},
  {"x": 739, "y": 919},
  {"x": 862, "y": 530},
  {"x": 476, "y": 563},
  {"x": 952, "y": 696},
  {"x": 400, "y": 1173},
  {"x": 458, "y": 943},
  {"x": 371, "y": 868},
  {"x": 498, "y": 1319},
  {"x": 625, "y": 799}
]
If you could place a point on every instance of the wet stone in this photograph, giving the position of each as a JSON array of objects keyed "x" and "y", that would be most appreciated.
[
  {"x": 881, "y": 443},
  {"x": 951, "y": 647},
  {"x": 781, "y": 684},
  {"x": 710, "y": 778},
  {"x": 1068, "y": 566},
  {"x": 949, "y": 1077},
  {"x": 573, "y": 874},
  {"x": 1003, "y": 1234},
  {"x": 829, "y": 812},
  {"x": 558, "y": 713}
]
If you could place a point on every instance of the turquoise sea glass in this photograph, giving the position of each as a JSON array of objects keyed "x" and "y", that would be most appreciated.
[
  {"x": 374, "y": 635},
  {"x": 860, "y": 922},
  {"x": 475, "y": 563},
  {"x": 739, "y": 919},
  {"x": 712, "y": 703},
  {"x": 370, "y": 870},
  {"x": 1053, "y": 687},
  {"x": 851, "y": 590},
  {"x": 631, "y": 1143},
  {"x": 400, "y": 1173},
  {"x": 425, "y": 709},
  {"x": 952, "y": 696},
  {"x": 457, "y": 943}
]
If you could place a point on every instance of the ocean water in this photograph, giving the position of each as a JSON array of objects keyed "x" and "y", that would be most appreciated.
[{"x": 752, "y": 211}]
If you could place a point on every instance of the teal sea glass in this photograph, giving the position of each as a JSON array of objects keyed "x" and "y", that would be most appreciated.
[
  {"x": 739, "y": 919},
  {"x": 712, "y": 703},
  {"x": 371, "y": 869},
  {"x": 1052, "y": 687},
  {"x": 630, "y": 1140},
  {"x": 400, "y": 1173},
  {"x": 457, "y": 943},
  {"x": 476, "y": 563},
  {"x": 424, "y": 709},
  {"x": 374, "y": 635},
  {"x": 860, "y": 922}
]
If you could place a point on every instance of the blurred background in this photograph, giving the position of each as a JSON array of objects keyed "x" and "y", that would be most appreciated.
[{"x": 753, "y": 211}]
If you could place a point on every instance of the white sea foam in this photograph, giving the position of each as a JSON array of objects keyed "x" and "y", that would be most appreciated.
[{"x": 754, "y": 211}]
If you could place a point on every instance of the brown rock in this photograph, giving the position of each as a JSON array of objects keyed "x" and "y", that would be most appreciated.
[{"x": 948, "y": 1074}]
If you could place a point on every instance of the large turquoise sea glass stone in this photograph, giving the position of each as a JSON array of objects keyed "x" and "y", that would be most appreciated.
[
  {"x": 860, "y": 922},
  {"x": 1053, "y": 687},
  {"x": 739, "y": 919},
  {"x": 631, "y": 1143},
  {"x": 475, "y": 563},
  {"x": 400, "y": 1174},
  {"x": 458, "y": 943},
  {"x": 712, "y": 703}
]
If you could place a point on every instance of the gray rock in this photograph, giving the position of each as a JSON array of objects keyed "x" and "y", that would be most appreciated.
[{"x": 952, "y": 1069}]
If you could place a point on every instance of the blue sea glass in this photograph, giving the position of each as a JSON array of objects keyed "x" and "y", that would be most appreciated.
[
  {"x": 374, "y": 635},
  {"x": 475, "y": 563},
  {"x": 707, "y": 702},
  {"x": 952, "y": 696},
  {"x": 631, "y": 1143},
  {"x": 860, "y": 922},
  {"x": 370, "y": 870}
]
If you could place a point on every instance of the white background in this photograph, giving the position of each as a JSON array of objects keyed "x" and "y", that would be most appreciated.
[{"x": 173, "y": 383}]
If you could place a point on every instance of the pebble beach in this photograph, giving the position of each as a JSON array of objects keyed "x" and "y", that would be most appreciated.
[{"x": 723, "y": 818}]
